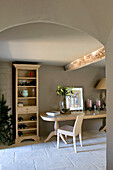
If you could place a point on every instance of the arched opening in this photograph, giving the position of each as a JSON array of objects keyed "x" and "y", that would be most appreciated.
[
  {"x": 61, "y": 44},
  {"x": 54, "y": 46}
]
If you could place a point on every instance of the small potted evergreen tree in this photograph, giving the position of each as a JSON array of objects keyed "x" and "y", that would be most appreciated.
[{"x": 5, "y": 123}]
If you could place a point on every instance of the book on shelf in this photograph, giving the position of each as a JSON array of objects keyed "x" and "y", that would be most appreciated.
[{"x": 53, "y": 113}]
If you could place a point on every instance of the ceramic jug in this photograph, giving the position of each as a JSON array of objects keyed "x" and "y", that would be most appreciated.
[{"x": 25, "y": 93}]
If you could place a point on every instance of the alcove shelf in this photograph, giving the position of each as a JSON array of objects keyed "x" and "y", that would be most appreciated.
[
  {"x": 26, "y": 86},
  {"x": 26, "y": 98},
  {"x": 26, "y": 102},
  {"x": 24, "y": 78}
]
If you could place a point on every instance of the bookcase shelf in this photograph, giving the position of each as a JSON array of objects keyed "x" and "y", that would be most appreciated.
[
  {"x": 29, "y": 105},
  {"x": 27, "y": 129},
  {"x": 27, "y": 121},
  {"x": 28, "y": 78},
  {"x": 26, "y": 86},
  {"x": 23, "y": 98}
]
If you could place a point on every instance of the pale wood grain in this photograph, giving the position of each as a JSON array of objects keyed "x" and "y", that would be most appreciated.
[
  {"x": 86, "y": 60},
  {"x": 72, "y": 116},
  {"x": 69, "y": 116},
  {"x": 71, "y": 131},
  {"x": 32, "y": 131}
]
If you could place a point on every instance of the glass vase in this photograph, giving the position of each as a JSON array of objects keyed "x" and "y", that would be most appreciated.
[{"x": 64, "y": 108}]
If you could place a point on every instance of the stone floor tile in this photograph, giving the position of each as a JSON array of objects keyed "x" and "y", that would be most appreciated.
[
  {"x": 7, "y": 158},
  {"x": 2, "y": 151},
  {"x": 31, "y": 155},
  {"x": 94, "y": 147},
  {"x": 93, "y": 134},
  {"x": 85, "y": 167},
  {"x": 101, "y": 155},
  {"x": 59, "y": 152},
  {"x": 88, "y": 159},
  {"x": 70, "y": 143},
  {"x": 43, "y": 145},
  {"x": 44, "y": 156},
  {"x": 101, "y": 139},
  {"x": 54, "y": 162},
  {"x": 81, "y": 158},
  {"x": 19, "y": 149},
  {"x": 28, "y": 165}
]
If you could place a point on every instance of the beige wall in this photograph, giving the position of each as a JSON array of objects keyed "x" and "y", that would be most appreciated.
[
  {"x": 49, "y": 78},
  {"x": 6, "y": 81},
  {"x": 109, "y": 76}
]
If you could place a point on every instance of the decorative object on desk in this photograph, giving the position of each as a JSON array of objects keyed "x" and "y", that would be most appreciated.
[
  {"x": 6, "y": 123},
  {"x": 75, "y": 99},
  {"x": 63, "y": 93},
  {"x": 33, "y": 118},
  {"x": 102, "y": 86},
  {"x": 63, "y": 107},
  {"x": 89, "y": 104},
  {"x": 20, "y": 119},
  {"x": 24, "y": 93},
  {"x": 53, "y": 113},
  {"x": 95, "y": 107},
  {"x": 103, "y": 101},
  {"x": 20, "y": 133},
  {"x": 98, "y": 104}
]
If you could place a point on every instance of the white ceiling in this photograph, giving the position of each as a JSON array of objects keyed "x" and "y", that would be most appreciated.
[{"x": 45, "y": 43}]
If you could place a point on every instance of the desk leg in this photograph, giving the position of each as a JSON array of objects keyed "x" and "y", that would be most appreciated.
[
  {"x": 103, "y": 128},
  {"x": 53, "y": 133}
]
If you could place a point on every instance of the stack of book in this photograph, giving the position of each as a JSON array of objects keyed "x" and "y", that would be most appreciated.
[{"x": 53, "y": 113}]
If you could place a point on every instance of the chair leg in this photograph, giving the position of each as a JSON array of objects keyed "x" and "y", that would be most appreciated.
[
  {"x": 58, "y": 140},
  {"x": 80, "y": 138},
  {"x": 74, "y": 141},
  {"x": 62, "y": 137}
]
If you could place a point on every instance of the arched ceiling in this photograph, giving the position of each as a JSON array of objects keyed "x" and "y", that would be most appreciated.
[
  {"x": 94, "y": 17},
  {"x": 46, "y": 43}
]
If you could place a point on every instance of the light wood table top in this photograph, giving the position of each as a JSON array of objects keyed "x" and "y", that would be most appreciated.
[{"x": 73, "y": 115}]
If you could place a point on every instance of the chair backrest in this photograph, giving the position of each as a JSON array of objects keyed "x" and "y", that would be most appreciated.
[{"x": 78, "y": 123}]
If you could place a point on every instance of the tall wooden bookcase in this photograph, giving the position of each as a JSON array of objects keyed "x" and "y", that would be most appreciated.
[{"x": 26, "y": 105}]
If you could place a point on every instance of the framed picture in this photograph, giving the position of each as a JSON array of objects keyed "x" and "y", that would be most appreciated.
[{"x": 75, "y": 101}]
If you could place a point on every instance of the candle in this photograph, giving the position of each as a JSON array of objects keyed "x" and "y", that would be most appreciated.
[
  {"x": 89, "y": 103},
  {"x": 98, "y": 103}
]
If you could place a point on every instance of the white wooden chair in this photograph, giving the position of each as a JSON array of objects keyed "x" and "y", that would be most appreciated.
[{"x": 71, "y": 131}]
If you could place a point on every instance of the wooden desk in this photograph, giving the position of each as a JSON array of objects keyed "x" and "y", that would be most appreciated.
[{"x": 69, "y": 116}]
